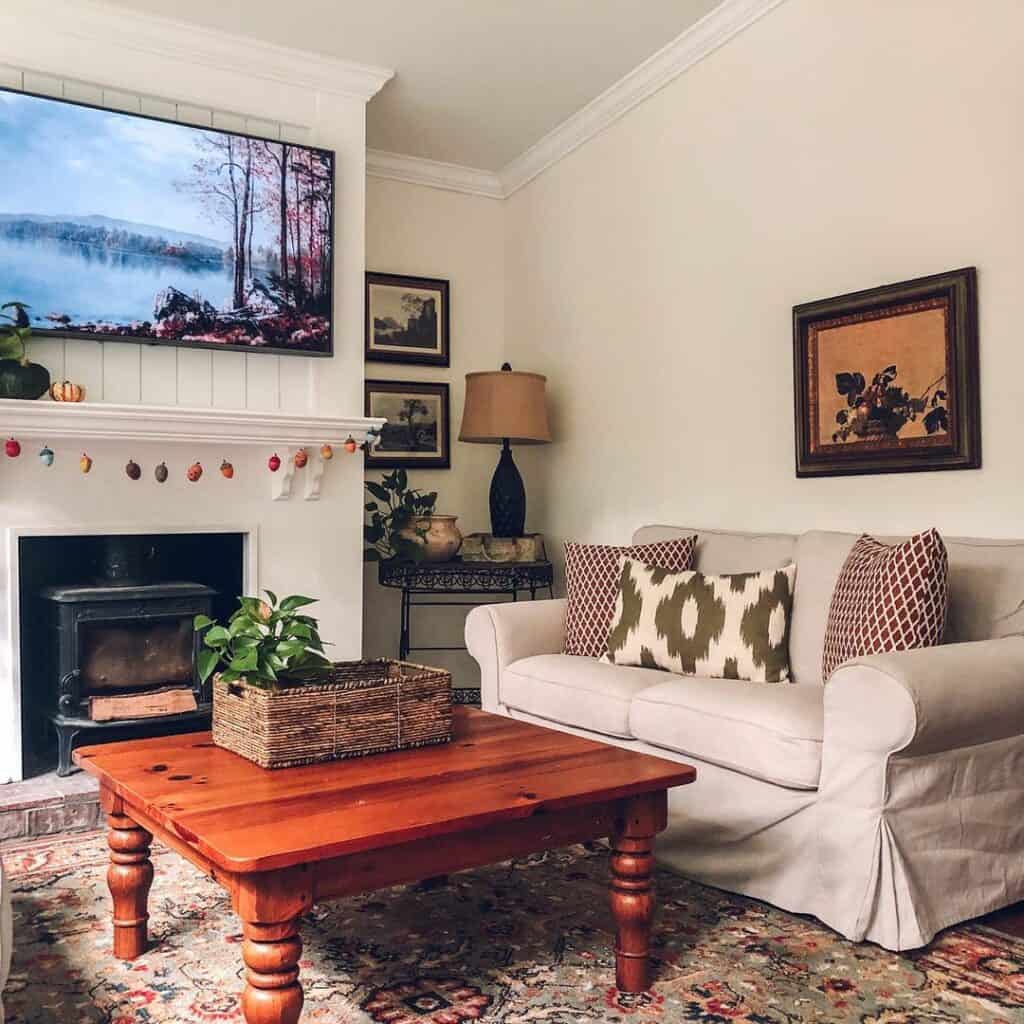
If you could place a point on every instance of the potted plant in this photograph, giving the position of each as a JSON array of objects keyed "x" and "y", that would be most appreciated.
[
  {"x": 403, "y": 524},
  {"x": 265, "y": 643},
  {"x": 279, "y": 702},
  {"x": 19, "y": 378}
]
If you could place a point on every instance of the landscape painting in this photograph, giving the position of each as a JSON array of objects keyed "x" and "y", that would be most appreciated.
[
  {"x": 887, "y": 379},
  {"x": 118, "y": 226},
  {"x": 407, "y": 320},
  {"x": 416, "y": 434}
]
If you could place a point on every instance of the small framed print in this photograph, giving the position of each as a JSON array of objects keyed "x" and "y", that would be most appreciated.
[
  {"x": 416, "y": 435},
  {"x": 886, "y": 380},
  {"x": 407, "y": 320}
]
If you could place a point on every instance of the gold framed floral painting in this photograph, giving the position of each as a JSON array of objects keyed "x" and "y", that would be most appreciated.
[{"x": 886, "y": 380}]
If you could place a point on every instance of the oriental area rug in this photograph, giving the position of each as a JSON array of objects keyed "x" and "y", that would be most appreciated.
[{"x": 525, "y": 942}]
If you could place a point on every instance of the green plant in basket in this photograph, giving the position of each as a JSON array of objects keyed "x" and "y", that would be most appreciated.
[{"x": 268, "y": 643}]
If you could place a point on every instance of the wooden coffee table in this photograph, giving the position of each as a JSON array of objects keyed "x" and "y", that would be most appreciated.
[{"x": 279, "y": 841}]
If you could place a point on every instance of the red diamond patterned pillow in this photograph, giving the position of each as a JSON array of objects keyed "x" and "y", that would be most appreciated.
[
  {"x": 887, "y": 599},
  {"x": 592, "y": 583}
]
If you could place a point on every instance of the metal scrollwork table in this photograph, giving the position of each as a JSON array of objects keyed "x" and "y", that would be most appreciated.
[{"x": 434, "y": 584}]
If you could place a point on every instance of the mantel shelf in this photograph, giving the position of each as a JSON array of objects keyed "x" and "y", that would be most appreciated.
[
  {"x": 85, "y": 422},
  {"x": 101, "y": 421}
]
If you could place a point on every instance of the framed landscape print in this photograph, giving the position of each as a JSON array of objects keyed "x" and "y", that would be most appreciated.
[
  {"x": 407, "y": 320},
  {"x": 416, "y": 435},
  {"x": 886, "y": 380}
]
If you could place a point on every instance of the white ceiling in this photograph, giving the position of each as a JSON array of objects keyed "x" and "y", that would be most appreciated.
[{"x": 478, "y": 81}]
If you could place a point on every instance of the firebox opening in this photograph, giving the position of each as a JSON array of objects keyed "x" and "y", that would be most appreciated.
[{"x": 106, "y": 631}]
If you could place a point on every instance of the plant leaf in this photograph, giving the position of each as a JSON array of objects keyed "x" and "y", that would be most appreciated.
[
  {"x": 201, "y": 622},
  {"x": 376, "y": 490},
  {"x": 244, "y": 662},
  {"x": 216, "y": 636},
  {"x": 206, "y": 662},
  {"x": 936, "y": 420},
  {"x": 289, "y": 604}
]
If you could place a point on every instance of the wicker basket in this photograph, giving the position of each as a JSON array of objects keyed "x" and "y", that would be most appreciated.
[{"x": 366, "y": 707}]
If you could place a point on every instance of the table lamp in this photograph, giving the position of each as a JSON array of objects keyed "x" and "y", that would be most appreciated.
[{"x": 506, "y": 407}]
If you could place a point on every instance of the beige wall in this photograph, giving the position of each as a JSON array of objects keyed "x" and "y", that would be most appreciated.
[
  {"x": 651, "y": 274},
  {"x": 415, "y": 230}
]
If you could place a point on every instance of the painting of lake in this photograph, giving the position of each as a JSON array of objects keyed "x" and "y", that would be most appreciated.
[{"x": 114, "y": 225}]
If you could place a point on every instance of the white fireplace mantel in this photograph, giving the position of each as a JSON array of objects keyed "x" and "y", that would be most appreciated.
[
  {"x": 83, "y": 421},
  {"x": 47, "y": 421}
]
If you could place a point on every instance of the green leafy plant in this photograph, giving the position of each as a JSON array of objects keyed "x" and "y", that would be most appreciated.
[
  {"x": 17, "y": 332},
  {"x": 269, "y": 643},
  {"x": 395, "y": 509}
]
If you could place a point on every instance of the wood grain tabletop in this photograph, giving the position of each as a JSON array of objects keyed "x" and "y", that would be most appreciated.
[{"x": 248, "y": 819}]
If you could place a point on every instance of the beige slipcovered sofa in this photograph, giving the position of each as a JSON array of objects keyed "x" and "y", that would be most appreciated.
[{"x": 889, "y": 802}]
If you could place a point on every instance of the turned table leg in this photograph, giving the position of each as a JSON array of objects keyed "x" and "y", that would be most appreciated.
[
  {"x": 272, "y": 993},
  {"x": 631, "y": 889},
  {"x": 129, "y": 877},
  {"x": 270, "y": 905}
]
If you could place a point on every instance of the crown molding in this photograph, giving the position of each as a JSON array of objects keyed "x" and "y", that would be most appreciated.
[
  {"x": 92, "y": 22},
  {"x": 433, "y": 173},
  {"x": 704, "y": 37}
]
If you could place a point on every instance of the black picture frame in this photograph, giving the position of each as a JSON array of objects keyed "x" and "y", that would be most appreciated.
[
  {"x": 949, "y": 412},
  {"x": 408, "y": 355},
  {"x": 391, "y": 459},
  {"x": 329, "y": 155}
]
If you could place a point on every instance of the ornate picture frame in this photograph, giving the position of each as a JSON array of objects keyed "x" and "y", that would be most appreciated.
[{"x": 886, "y": 379}]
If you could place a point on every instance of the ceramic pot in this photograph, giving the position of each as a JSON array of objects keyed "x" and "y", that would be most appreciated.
[{"x": 442, "y": 540}]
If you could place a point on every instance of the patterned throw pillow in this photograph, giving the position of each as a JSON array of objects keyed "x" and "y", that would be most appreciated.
[
  {"x": 887, "y": 599},
  {"x": 726, "y": 627},
  {"x": 592, "y": 581}
]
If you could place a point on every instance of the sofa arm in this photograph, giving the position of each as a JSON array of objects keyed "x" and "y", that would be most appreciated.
[
  {"x": 928, "y": 700},
  {"x": 498, "y": 634}
]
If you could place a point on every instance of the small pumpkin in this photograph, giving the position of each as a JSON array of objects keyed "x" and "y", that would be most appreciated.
[
  {"x": 194, "y": 472},
  {"x": 23, "y": 379},
  {"x": 301, "y": 458},
  {"x": 66, "y": 391}
]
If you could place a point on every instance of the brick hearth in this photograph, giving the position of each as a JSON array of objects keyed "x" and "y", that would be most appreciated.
[{"x": 47, "y": 805}]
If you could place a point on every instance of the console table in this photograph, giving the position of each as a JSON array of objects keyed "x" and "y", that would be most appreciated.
[{"x": 426, "y": 584}]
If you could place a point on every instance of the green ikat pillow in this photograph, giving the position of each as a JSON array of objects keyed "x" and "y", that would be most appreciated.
[{"x": 727, "y": 627}]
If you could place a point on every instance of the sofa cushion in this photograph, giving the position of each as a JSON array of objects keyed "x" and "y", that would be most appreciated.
[
  {"x": 576, "y": 691},
  {"x": 767, "y": 732},
  {"x": 592, "y": 582},
  {"x": 732, "y": 627},
  {"x": 887, "y": 599}
]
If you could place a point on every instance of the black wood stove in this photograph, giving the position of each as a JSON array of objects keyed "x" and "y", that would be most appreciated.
[{"x": 122, "y": 636}]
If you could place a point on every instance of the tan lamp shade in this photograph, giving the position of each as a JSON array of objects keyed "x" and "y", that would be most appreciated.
[{"x": 505, "y": 404}]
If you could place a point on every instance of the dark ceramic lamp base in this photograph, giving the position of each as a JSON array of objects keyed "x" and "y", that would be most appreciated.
[{"x": 508, "y": 497}]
